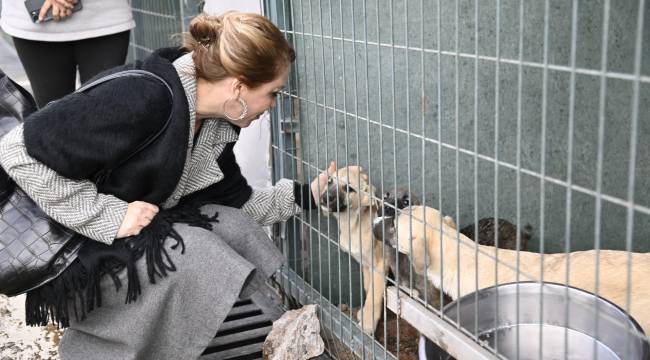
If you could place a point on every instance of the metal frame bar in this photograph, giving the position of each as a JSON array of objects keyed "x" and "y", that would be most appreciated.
[
  {"x": 531, "y": 64},
  {"x": 448, "y": 336}
]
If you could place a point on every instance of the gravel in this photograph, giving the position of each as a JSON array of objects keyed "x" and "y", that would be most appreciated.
[{"x": 18, "y": 341}]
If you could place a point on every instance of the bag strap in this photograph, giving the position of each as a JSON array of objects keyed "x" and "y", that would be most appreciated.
[{"x": 103, "y": 174}]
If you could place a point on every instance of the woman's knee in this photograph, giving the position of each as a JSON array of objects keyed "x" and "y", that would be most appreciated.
[{"x": 199, "y": 245}]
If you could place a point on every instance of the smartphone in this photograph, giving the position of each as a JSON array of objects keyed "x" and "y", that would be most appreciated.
[{"x": 34, "y": 8}]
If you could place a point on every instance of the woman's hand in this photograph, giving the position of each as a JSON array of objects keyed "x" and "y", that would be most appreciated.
[
  {"x": 322, "y": 181},
  {"x": 138, "y": 215},
  {"x": 60, "y": 9}
]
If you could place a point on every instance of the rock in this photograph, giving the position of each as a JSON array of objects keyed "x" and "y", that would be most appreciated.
[{"x": 295, "y": 336}]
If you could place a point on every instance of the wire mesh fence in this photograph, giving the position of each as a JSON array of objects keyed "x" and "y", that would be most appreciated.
[
  {"x": 157, "y": 22},
  {"x": 532, "y": 112},
  {"x": 524, "y": 122}
]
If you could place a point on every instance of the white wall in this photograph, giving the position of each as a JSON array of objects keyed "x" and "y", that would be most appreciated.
[
  {"x": 252, "y": 149},
  {"x": 216, "y": 7}
]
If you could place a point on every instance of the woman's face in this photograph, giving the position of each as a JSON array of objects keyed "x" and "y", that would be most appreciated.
[{"x": 260, "y": 99}]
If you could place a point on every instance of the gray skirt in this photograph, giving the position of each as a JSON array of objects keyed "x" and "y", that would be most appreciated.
[{"x": 178, "y": 316}]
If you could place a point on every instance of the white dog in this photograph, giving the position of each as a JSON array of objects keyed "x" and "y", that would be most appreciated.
[{"x": 612, "y": 276}]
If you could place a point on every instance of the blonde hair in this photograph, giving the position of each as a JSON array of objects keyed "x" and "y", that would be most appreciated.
[{"x": 244, "y": 45}]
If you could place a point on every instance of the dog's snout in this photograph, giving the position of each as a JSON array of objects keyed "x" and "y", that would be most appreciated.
[
  {"x": 384, "y": 229},
  {"x": 330, "y": 195},
  {"x": 378, "y": 227},
  {"x": 332, "y": 199},
  {"x": 389, "y": 210}
]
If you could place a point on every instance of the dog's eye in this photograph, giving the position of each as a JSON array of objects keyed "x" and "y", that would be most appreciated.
[
  {"x": 406, "y": 202},
  {"x": 351, "y": 190},
  {"x": 329, "y": 181}
]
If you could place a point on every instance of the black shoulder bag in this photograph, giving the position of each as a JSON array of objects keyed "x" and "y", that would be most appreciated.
[{"x": 34, "y": 249}]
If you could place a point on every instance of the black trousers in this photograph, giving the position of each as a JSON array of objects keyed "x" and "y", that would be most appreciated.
[{"x": 52, "y": 66}]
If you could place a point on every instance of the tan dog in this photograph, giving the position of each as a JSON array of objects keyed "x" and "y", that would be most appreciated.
[
  {"x": 349, "y": 200},
  {"x": 613, "y": 264}
]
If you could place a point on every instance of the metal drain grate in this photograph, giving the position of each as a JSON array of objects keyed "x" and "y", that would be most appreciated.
[{"x": 242, "y": 334}]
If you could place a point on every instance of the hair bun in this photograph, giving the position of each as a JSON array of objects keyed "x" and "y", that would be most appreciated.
[
  {"x": 235, "y": 44},
  {"x": 206, "y": 29}
]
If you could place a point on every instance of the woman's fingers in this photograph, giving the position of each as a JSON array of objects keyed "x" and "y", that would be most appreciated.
[
  {"x": 68, "y": 4},
  {"x": 319, "y": 184},
  {"x": 139, "y": 214},
  {"x": 46, "y": 6}
]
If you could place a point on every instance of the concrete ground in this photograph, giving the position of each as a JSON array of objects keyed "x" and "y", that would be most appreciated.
[{"x": 10, "y": 64}]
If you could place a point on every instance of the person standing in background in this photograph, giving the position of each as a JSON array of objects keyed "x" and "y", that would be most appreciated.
[{"x": 91, "y": 40}]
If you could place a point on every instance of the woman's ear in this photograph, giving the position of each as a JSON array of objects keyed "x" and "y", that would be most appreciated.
[{"x": 236, "y": 87}]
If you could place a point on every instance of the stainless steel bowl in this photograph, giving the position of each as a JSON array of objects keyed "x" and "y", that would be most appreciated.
[{"x": 568, "y": 320}]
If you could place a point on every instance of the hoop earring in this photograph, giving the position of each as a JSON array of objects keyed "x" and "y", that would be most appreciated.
[{"x": 244, "y": 111}]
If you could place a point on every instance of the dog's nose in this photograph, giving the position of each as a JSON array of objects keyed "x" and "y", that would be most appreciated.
[
  {"x": 389, "y": 210},
  {"x": 332, "y": 200},
  {"x": 329, "y": 197}
]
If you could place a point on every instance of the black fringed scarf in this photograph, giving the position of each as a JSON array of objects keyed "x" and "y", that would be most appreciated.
[{"x": 78, "y": 287}]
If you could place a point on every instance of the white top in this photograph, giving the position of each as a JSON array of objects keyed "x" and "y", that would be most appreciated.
[{"x": 96, "y": 18}]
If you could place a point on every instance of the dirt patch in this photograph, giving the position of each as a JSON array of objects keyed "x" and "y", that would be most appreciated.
[
  {"x": 399, "y": 332},
  {"x": 389, "y": 334}
]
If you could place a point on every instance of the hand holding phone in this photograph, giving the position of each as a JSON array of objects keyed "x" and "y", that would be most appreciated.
[{"x": 46, "y": 10}]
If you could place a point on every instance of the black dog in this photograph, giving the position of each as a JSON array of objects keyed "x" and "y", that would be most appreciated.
[
  {"x": 393, "y": 202},
  {"x": 507, "y": 233}
]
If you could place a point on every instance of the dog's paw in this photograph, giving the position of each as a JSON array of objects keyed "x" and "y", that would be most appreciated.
[
  {"x": 368, "y": 330},
  {"x": 357, "y": 316},
  {"x": 367, "y": 324}
]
